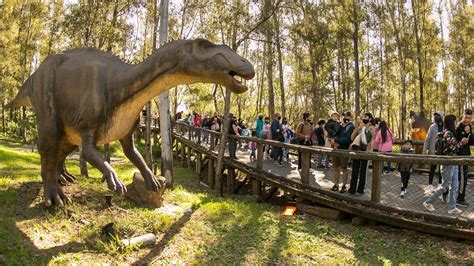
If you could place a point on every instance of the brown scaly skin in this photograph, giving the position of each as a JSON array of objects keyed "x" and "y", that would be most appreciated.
[{"x": 87, "y": 97}]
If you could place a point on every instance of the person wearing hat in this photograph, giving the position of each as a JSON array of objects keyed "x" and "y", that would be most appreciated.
[
  {"x": 429, "y": 147},
  {"x": 362, "y": 138}
]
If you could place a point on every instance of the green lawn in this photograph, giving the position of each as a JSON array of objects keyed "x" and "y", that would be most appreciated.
[{"x": 231, "y": 230}]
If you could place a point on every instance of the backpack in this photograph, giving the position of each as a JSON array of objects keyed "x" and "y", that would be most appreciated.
[{"x": 440, "y": 143}]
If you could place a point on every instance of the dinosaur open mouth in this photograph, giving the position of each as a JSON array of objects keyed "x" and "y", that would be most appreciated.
[{"x": 237, "y": 82}]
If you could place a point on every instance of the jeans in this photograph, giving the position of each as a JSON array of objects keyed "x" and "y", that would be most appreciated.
[
  {"x": 322, "y": 158},
  {"x": 232, "y": 148},
  {"x": 405, "y": 179},
  {"x": 432, "y": 174},
  {"x": 449, "y": 173},
  {"x": 359, "y": 175},
  {"x": 462, "y": 177}
]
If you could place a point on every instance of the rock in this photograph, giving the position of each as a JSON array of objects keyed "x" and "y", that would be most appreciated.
[
  {"x": 138, "y": 193},
  {"x": 324, "y": 212},
  {"x": 144, "y": 240}
]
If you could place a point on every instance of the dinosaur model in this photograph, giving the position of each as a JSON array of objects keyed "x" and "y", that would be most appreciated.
[{"x": 84, "y": 97}]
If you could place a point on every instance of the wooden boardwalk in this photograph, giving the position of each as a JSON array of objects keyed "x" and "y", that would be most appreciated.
[{"x": 390, "y": 194}]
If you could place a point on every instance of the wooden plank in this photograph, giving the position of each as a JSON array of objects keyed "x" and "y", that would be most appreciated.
[
  {"x": 376, "y": 181},
  {"x": 324, "y": 212},
  {"x": 305, "y": 166},
  {"x": 230, "y": 180}
]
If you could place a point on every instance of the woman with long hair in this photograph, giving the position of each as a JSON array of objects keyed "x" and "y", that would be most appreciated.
[
  {"x": 450, "y": 147},
  {"x": 384, "y": 139}
]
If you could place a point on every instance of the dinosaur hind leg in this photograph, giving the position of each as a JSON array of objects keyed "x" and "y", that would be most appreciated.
[
  {"x": 64, "y": 176},
  {"x": 49, "y": 150},
  {"x": 92, "y": 155}
]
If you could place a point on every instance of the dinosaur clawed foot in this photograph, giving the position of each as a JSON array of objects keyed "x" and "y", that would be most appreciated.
[
  {"x": 54, "y": 195},
  {"x": 114, "y": 183},
  {"x": 151, "y": 182}
]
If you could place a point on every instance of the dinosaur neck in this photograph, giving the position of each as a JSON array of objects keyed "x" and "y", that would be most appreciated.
[{"x": 159, "y": 72}]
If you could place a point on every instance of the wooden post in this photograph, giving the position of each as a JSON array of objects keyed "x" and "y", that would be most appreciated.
[
  {"x": 256, "y": 184},
  {"x": 199, "y": 133},
  {"x": 188, "y": 157},
  {"x": 211, "y": 172},
  {"x": 198, "y": 162},
  {"x": 213, "y": 141},
  {"x": 177, "y": 149},
  {"x": 305, "y": 166},
  {"x": 230, "y": 180},
  {"x": 183, "y": 154},
  {"x": 376, "y": 180}
]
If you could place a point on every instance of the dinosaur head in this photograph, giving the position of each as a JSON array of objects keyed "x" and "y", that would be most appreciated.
[{"x": 215, "y": 64}]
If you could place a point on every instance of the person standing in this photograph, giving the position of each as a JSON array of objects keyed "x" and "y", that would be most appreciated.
[
  {"x": 342, "y": 141},
  {"x": 259, "y": 125},
  {"x": 450, "y": 147},
  {"x": 286, "y": 135},
  {"x": 321, "y": 134},
  {"x": 405, "y": 169},
  {"x": 303, "y": 133},
  {"x": 464, "y": 131},
  {"x": 362, "y": 141},
  {"x": 384, "y": 139},
  {"x": 429, "y": 147},
  {"x": 233, "y": 131},
  {"x": 275, "y": 129}
]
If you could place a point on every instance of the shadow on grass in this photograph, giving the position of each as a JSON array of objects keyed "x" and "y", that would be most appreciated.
[{"x": 16, "y": 246}]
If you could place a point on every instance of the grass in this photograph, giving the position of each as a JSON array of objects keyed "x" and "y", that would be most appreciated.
[{"x": 231, "y": 230}]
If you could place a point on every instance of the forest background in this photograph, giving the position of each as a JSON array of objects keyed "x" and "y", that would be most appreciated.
[{"x": 388, "y": 57}]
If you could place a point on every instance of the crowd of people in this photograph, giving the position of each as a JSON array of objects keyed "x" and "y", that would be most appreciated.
[{"x": 446, "y": 136}]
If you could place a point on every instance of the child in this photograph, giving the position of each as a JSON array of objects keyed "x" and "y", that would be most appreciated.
[
  {"x": 279, "y": 150},
  {"x": 405, "y": 168},
  {"x": 253, "y": 147}
]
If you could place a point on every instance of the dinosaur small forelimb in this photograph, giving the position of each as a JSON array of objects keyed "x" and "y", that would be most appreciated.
[
  {"x": 151, "y": 182},
  {"x": 114, "y": 183},
  {"x": 93, "y": 156}
]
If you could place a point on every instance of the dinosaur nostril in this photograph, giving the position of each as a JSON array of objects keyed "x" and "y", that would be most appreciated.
[{"x": 243, "y": 60}]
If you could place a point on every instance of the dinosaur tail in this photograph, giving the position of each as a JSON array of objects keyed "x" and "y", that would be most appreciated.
[{"x": 23, "y": 96}]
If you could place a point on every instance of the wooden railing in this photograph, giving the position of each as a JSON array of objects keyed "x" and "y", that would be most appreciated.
[{"x": 189, "y": 140}]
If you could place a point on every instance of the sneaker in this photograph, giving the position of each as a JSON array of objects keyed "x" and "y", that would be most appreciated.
[
  {"x": 431, "y": 189},
  {"x": 454, "y": 211},
  {"x": 343, "y": 190},
  {"x": 462, "y": 203},
  {"x": 402, "y": 194},
  {"x": 428, "y": 206},
  {"x": 439, "y": 187},
  {"x": 335, "y": 188}
]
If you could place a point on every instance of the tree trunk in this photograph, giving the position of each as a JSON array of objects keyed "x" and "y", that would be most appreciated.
[
  {"x": 280, "y": 67},
  {"x": 4, "y": 124},
  {"x": 401, "y": 62},
  {"x": 165, "y": 123},
  {"x": 418, "y": 55},
  {"x": 269, "y": 39},
  {"x": 355, "y": 39}
]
